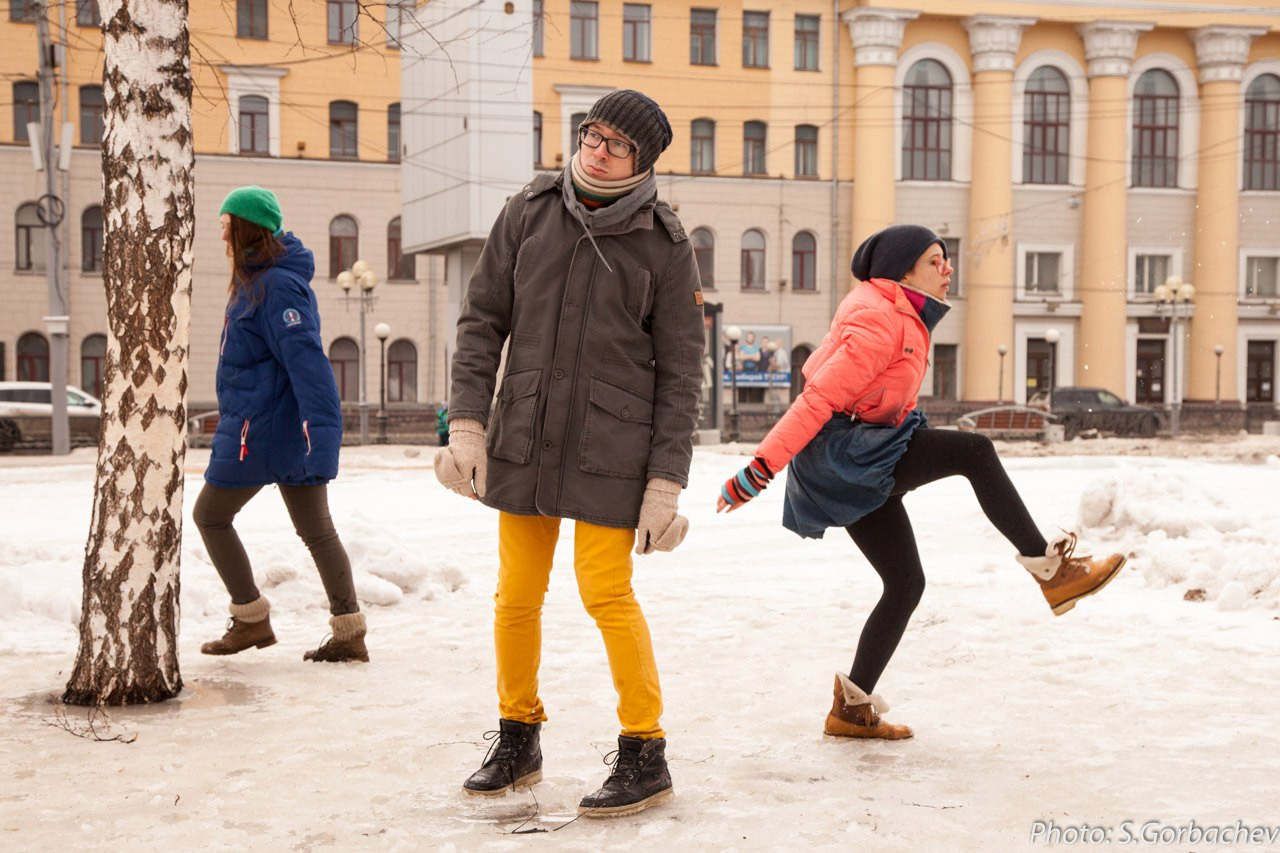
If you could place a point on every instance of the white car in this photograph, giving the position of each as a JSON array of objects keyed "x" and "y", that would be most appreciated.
[{"x": 35, "y": 399}]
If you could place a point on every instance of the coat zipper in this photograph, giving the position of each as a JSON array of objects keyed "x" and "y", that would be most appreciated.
[{"x": 244, "y": 437}]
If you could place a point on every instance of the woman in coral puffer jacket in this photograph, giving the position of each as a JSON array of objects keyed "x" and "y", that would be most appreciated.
[{"x": 856, "y": 444}]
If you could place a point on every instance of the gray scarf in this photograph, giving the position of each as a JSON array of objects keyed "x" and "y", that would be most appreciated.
[{"x": 610, "y": 215}]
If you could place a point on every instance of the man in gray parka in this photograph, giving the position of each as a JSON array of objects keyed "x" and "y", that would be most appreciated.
[{"x": 590, "y": 283}]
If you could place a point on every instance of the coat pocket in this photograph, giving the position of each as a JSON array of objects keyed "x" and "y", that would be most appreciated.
[
  {"x": 511, "y": 427},
  {"x": 617, "y": 432}
]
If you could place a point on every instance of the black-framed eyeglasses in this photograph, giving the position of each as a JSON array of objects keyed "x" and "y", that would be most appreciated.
[{"x": 617, "y": 147}]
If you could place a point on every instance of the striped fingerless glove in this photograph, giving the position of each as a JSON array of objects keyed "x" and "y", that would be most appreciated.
[{"x": 747, "y": 483}]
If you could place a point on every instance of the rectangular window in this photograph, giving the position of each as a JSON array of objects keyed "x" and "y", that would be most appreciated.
[
  {"x": 1047, "y": 129},
  {"x": 807, "y": 42},
  {"x": 702, "y": 37},
  {"x": 87, "y": 14},
  {"x": 91, "y": 243},
  {"x": 755, "y": 39},
  {"x": 343, "y": 28},
  {"x": 343, "y": 129},
  {"x": 23, "y": 11},
  {"x": 26, "y": 108},
  {"x": 1260, "y": 277},
  {"x": 635, "y": 32},
  {"x": 30, "y": 247},
  {"x": 753, "y": 148},
  {"x": 944, "y": 371},
  {"x": 254, "y": 137},
  {"x": 92, "y": 115},
  {"x": 393, "y": 133},
  {"x": 539, "y": 28},
  {"x": 398, "y": 15},
  {"x": 1260, "y": 372},
  {"x": 1155, "y": 140},
  {"x": 584, "y": 29},
  {"x": 251, "y": 19},
  {"x": 1261, "y": 140},
  {"x": 1043, "y": 273},
  {"x": 806, "y": 151},
  {"x": 1149, "y": 272},
  {"x": 537, "y": 139},
  {"x": 703, "y": 155}
]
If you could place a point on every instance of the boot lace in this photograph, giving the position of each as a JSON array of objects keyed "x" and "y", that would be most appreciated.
[
  {"x": 626, "y": 766},
  {"x": 503, "y": 749},
  {"x": 1067, "y": 549}
]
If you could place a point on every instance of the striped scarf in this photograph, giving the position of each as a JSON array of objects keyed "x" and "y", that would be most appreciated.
[{"x": 595, "y": 194}]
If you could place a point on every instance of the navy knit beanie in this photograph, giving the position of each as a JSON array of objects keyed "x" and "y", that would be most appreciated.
[
  {"x": 640, "y": 118},
  {"x": 892, "y": 252}
]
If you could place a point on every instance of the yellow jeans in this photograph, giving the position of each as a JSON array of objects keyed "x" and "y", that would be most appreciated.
[{"x": 602, "y": 562}]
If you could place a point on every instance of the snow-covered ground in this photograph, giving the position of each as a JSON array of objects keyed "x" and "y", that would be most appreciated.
[{"x": 1139, "y": 706}]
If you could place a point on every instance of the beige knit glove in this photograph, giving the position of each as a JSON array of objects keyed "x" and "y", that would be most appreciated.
[
  {"x": 464, "y": 460},
  {"x": 661, "y": 528}
]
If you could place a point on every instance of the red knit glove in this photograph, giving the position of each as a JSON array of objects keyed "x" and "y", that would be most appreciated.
[{"x": 746, "y": 484}]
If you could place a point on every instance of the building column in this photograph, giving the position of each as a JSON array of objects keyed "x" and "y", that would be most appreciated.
[
  {"x": 989, "y": 262},
  {"x": 877, "y": 38},
  {"x": 1100, "y": 357},
  {"x": 1221, "y": 53}
]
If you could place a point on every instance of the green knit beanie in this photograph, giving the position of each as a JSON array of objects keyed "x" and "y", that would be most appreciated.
[{"x": 256, "y": 205}]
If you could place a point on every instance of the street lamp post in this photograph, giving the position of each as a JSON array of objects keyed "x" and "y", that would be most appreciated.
[
  {"x": 1052, "y": 337},
  {"x": 1003, "y": 350},
  {"x": 1218, "y": 350},
  {"x": 1174, "y": 297},
  {"x": 382, "y": 331},
  {"x": 734, "y": 334},
  {"x": 363, "y": 275}
]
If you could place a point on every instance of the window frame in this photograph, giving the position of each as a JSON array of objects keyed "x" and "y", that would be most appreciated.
[
  {"x": 748, "y": 262},
  {"x": 637, "y": 33},
  {"x": 1261, "y": 174},
  {"x": 1147, "y": 136},
  {"x": 807, "y": 258},
  {"x": 755, "y": 39},
  {"x": 807, "y": 44},
  {"x": 1066, "y": 272},
  {"x": 755, "y": 150},
  {"x": 337, "y": 125},
  {"x": 1253, "y": 391},
  {"x": 1249, "y": 254},
  {"x": 98, "y": 362},
  {"x": 96, "y": 118},
  {"x": 351, "y": 365},
  {"x": 91, "y": 246},
  {"x": 706, "y": 272},
  {"x": 250, "y": 10},
  {"x": 397, "y": 368},
  {"x": 25, "y": 110},
  {"x": 88, "y": 14},
  {"x": 919, "y": 124},
  {"x": 342, "y": 32},
  {"x": 31, "y": 366},
  {"x": 584, "y": 29},
  {"x": 258, "y": 123},
  {"x": 28, "y": 240},
  {"x": 702, "y": 146},
  {"x": 393, "y": 133},
  {"x": 400, "y": 267},
  {"x": 700, "y": 31},
  {"x": 806, "y": 152},
  {"x": 1034, "y": 128},
  {"x": 338, "y": 247},
  {"x": 538, "y": 33}
]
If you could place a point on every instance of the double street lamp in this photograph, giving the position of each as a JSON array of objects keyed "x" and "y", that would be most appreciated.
[
  {"x": 1176, "y": 299},
  {"x": 362, "y": 274}
]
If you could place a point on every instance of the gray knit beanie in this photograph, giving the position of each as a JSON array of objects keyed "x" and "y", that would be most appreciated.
[
  {"x": 640, "y": 118},
  {"x": 892, "y": 252}
]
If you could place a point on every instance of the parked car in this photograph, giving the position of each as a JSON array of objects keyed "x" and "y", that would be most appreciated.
[
  {"x": 1080, "y": 409},
  {"x": 26, "y": 411}
]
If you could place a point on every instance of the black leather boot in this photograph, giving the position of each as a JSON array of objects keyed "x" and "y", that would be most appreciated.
[
  {"x": 639, "y": 780},
  {"x": 514, "y": 759}
]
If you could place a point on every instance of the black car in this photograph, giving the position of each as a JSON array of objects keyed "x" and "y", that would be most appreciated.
[{"x": 1081, "y": 409}]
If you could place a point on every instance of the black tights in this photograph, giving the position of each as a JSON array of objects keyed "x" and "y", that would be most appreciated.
[{"x": 887, "y": 541}]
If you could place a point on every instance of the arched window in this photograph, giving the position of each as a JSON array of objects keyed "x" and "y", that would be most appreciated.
[
  {"x": 393, "y": 127},
  {"x": 1155, "y": 130},
  {"x": 91, "y": 241},
  {"x": 402, "y": 372},
  {"x": 399, "y": 266},
  {"x": 752, "y": 260},
  {"x": 33, "y": 358},
  {"x": 799, "y": 355},
  {"x": 344, "y": 244},
  {"x": 26, "y": 107},
  {"x": 343, "y": 129},
  {"x": 702, "y": 156},
  {"x": 806, "y": 151},
  {"x": 754, "y": 134},
  {"x": 255, "y": 135},
  {"x": 344, "y": 355},
  {"x": 93, "y": 358},
  {"x": 704, "y": 254},
  {"x": 926, "y": 118},
  {"x": 1262, "y": 134},
  {"x": 1047, "y": 127},
  {"x": 29, "y": 239},
  {"x": 92, "y": 111},
  {"x": 804, "y": 261}
]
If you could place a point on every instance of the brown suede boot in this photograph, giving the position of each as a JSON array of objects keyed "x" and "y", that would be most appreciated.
[
  {"x": 855, "y": 714},
  {"x": 347, "y": 642},
  {"x": 249, "y": 626},
  {"x": 1065, "y": 578}
]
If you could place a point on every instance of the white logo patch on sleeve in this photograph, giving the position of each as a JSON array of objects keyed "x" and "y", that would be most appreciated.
[{"x": 292, "y": 317}]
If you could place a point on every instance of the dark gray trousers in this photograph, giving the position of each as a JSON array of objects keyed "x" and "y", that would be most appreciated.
[{"x": 308, "y": 507}]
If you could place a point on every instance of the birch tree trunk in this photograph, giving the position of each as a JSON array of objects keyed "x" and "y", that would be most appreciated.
[{"x": 129, "y": 621}]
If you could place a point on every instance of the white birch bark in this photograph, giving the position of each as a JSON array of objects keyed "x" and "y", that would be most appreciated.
[{"x": 129, "y": 621}]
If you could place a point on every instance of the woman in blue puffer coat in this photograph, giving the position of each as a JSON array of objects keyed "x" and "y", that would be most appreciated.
[{"x": 279, "y": 421}]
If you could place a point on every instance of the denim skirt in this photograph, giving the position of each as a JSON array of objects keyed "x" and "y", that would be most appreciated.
[{"x": 844, "y": 473}]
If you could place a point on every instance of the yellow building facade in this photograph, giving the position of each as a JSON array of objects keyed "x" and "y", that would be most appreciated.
[
  {"x": 306, "y": 104},
  {"x": 1076, "y": 156}
]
